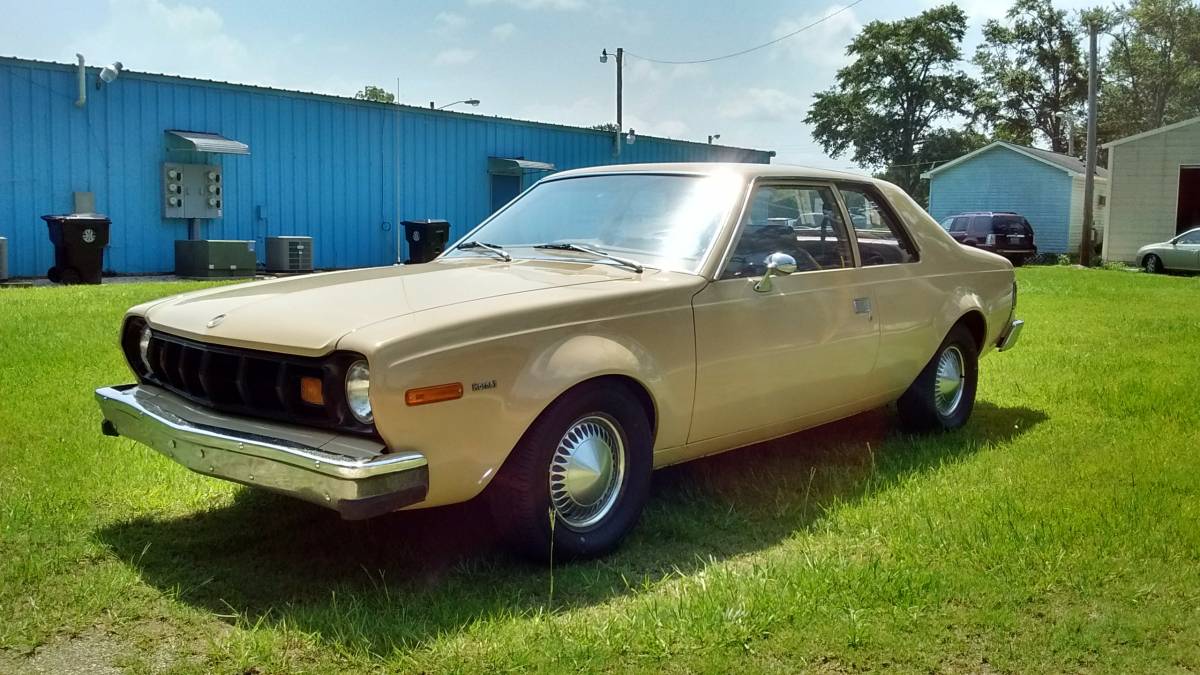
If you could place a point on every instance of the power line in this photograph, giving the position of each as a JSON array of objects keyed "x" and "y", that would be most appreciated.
[{"x": 752, "y": 49}]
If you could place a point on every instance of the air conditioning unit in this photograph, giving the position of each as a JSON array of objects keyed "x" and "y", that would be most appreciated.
[{"x": 289, "y": 254}]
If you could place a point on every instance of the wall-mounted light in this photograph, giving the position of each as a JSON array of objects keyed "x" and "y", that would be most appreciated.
[
  {"x": 630, "y": 137},
  {"x": 109, "y": 73}
]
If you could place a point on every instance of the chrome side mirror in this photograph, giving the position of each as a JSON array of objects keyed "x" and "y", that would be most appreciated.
[{"x": 778, "y": 264}]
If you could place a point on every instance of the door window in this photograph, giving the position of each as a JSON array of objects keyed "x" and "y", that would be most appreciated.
[
  {"x": 960, "y": 224},
  {"x": 803, "y": 222},
  {"x": 1189, "y": 238},
  {"x": 881, "y": 240}
]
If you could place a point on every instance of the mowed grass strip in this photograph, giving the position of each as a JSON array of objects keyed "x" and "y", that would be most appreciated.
[{"x": 1059, "y": 531}]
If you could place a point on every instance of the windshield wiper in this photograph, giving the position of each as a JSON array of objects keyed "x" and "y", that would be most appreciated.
[
  {"x": 582, "y": 248},
  {"x": 491, "y": 248}
]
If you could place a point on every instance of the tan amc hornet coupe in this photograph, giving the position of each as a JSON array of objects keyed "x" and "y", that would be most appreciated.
[{"x": 606, "y": 322}]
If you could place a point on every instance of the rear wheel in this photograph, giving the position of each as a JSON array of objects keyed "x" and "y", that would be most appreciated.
[
  {"x": 576, "y": 483},
  {"x": 1153, "y": 264},
  {"x": 943, "y": 395}
]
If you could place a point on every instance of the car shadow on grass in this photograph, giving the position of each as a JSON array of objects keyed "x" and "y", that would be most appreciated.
[{"x": 397, "y": 581}]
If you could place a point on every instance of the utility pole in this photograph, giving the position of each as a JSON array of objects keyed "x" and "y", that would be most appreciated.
[
  {"x": 1089, "y": 179},
  {"x": 620, "y": 88},
  {"x": 620, "y": 74}
]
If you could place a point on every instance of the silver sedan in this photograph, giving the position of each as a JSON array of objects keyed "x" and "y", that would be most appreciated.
[{"x": 1181, "y": 253}]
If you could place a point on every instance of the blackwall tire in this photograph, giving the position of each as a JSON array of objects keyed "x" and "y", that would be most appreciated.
[
  {"x": 931, "y": 402},
  {"x": 1152, "y": 264},
  {"x": 584, "y": 464}
]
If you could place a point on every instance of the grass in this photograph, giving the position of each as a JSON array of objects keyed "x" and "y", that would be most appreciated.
[{"x": 1060, "y": 530}]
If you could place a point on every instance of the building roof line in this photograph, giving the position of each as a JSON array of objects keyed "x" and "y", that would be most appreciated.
[
  {"x": 1038, "y": 154},
  {"x": 1152, "y": 132},
  {"x": 199, "y": 81}
]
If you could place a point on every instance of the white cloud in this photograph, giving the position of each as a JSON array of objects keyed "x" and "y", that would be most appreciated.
[
  {"x": 823, "y": 44},
  {"x": 179, "y": 39},
  {"x": 448, "y": 21},
  {"x": 565, "y": 5},
  {"x": 454, "y": 57},
  {"x": 504, "y": 31},
  {"x": 762, "y": 104}
]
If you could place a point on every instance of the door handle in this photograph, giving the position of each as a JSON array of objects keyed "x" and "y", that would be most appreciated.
[{"x": 862, "y": 306}]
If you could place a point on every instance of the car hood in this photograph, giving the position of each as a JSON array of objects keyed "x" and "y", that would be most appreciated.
[{"x": 307, "y": 315}]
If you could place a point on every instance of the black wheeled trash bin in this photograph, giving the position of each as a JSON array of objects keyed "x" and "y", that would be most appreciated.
[
  {"x": 79, "y": 240},
  {"x": 426, "y": 239}
]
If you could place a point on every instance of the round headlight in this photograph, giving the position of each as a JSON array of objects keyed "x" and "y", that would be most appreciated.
[
  {"x": 358, "y": 389},
  {"x": 144, "y": 347}
]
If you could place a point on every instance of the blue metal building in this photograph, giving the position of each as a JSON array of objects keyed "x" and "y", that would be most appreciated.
[
  {"x": 1045, "y": 187},
  {"x": 340, "y": 170}
]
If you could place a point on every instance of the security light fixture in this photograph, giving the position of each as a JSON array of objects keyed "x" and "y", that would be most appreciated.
[
  {"x": 713, "y": 137},
  {"x": 603, "y": 56},
  {"x": 468, "y": 101},
  {"x": 630, "y": 137},
  {"x": 109, "y": 73}
]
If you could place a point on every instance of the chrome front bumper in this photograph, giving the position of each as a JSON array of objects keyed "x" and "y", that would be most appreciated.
[
  {"x": 1009, "y": 339},
  {"x": 352, "y": 475}
]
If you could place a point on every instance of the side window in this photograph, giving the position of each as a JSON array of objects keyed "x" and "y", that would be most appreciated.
[
  {"x": 881, "y": 240},
  {"x": 803, "y": 222},
  {"x": 1189, "y": 238},
  {"x": 981, "y": 226},
  {"x": 960, "y": 224},
  {"x": 947, "y": 224}
]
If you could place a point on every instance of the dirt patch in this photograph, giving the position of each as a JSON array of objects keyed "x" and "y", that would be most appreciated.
[{"x": 94, "y": 652}]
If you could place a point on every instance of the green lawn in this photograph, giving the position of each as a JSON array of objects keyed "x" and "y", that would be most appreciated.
[{"x": 1059, "y": 531}]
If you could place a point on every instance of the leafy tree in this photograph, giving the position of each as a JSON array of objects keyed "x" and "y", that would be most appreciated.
[
  {"x": 377, "y": 94},
  {"x": 940, "y": 146},
  {"x": 903, "y": 80},
  {"x": 607, "y": 126},
  {"x": 1032, "y": 70},
  {"x": 1153, "y": 72}
]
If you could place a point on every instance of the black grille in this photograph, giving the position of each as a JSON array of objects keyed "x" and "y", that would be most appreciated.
[{"x": 244, "y": 381}]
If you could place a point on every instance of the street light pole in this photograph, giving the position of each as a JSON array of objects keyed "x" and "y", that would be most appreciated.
[{"x": 1089, "y": 179}]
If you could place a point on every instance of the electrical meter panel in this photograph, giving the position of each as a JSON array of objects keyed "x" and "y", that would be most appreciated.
[{"x": 192, "y": 191}]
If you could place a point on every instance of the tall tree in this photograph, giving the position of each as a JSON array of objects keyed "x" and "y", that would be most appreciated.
[
  {"x": 1033, "y": 74},
  {"x": 940, "y": 146},
  {"x": 1153, "y": 73},
  {"x": 903, "y": 80},
  {"x": 377, "y": 94}
]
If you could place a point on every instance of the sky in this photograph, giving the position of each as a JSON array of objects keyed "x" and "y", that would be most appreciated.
[{"x": 528, "y": 59}]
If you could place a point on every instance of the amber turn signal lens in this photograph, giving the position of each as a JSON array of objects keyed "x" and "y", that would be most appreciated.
[
  {"x": 435, "y": 394},
  {"x": 311, "y": 391}
]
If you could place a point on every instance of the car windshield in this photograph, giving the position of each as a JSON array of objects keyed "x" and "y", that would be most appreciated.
[{"x": 660, "y": 220}]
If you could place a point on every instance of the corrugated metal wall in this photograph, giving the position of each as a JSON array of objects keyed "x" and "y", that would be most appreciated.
[
  {"x": 1003, "y": 180},
  {"x": 319, "y": 166}
]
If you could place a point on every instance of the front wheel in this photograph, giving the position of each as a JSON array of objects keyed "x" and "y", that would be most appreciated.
[
  {"x": 943, "y": 395},
  {"x": 576, "y": 483},
  {"x": 1153, "y": 264}
]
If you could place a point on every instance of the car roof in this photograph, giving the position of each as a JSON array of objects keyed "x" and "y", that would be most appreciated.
[
  {"x": 749, "y": 171},
  {"x": 984, "y": 213}
]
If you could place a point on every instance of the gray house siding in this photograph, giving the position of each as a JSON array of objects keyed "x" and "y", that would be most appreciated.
[{"x": 1145, "y": 188}]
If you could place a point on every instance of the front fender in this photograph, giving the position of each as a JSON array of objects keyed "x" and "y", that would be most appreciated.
[{"x": 512, "y": 376}]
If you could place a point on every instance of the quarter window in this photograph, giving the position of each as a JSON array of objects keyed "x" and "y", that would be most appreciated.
[
  {"x": 803, "y": 222},
  {"x": 881, "y": 241}
]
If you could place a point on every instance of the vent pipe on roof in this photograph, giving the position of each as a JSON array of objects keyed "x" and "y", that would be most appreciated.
[{"x": 82, "y": 83}]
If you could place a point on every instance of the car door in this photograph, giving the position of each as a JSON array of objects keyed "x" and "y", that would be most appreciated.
[{"x": 796, "y": 346}]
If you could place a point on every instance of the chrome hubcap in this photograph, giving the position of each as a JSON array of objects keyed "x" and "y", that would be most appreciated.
[
  {"x": 1152, "y": 263},
  {"x": 951, "y": 374},
  {"x": 586, "y": 471}
]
